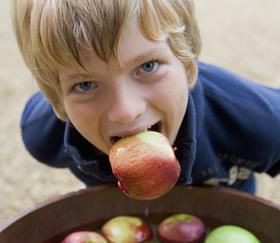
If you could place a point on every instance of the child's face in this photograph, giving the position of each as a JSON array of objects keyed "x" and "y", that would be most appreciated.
[{"x": 107, "y": 101}]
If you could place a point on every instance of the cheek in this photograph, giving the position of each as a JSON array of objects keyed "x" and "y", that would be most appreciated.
[
  {"x": 82, "y": 116},
  {"x": 172, "y": 92}
]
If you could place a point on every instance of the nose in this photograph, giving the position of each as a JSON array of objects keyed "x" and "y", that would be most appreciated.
[{"x": 126, "y": 104}]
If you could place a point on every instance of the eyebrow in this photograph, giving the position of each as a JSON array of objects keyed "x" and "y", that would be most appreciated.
[
  {"x": 132, "y": 62},
  {"x": 142, "y": 57},
  {"x": 74, "y": 76}
]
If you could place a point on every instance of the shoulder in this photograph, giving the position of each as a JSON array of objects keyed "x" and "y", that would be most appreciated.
[
  {"x": 42, "y": 132},
  {"x": 36, "y": 107},
  {"x": 240, "y": 115},
  {"x": 223, "y": 86}
]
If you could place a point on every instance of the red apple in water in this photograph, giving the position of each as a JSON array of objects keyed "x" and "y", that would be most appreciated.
[
  {"x": 145, "y": 165},
  {"x": 84, "y": 237},
  {"x": 181, "y": 228},
  {"x": 127, "y": 229},
  {"x": 231, "y": 234}
]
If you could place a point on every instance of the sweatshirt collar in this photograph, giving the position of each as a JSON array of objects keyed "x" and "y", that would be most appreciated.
[
  {"x": 86, "y": 157},
  {"x": 185, "y": 143}
]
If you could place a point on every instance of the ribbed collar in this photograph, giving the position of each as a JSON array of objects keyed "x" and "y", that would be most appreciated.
[{"x": 187, "y": 136}]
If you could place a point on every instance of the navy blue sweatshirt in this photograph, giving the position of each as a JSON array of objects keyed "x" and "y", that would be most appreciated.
[{"x": 231, "y": 128}]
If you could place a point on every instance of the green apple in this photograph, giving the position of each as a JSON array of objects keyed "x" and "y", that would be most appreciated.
[
  {"x": 179, "y": 228},
  {"x": 127, "y": 229},
  {"x": 231, "y": 234},
  {"x": 145, "y": 165}
]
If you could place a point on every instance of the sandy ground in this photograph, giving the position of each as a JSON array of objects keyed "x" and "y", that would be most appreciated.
[{"x": 242, "y": 35}]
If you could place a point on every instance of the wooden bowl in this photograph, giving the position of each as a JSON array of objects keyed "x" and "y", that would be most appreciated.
[{"x": 88, "y": 209}]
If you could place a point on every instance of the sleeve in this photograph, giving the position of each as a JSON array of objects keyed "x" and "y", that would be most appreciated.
[
  {"x": 267, "y": 128},
  {"x": 243, "y": 119},
  {"x": 42, "y": 132}
]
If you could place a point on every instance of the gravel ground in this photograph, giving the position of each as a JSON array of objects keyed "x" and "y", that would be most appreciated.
[{"x": 242, "y": 35}]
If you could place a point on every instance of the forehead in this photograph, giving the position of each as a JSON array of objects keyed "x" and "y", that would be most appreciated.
[
  {"x": 133, "y": 42},
  {"x": 133, "y": 48}
]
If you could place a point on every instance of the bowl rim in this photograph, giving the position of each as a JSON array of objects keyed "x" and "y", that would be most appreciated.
[{"x": 56, "y": 198}]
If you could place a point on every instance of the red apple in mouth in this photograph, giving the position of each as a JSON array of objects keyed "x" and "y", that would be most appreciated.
[
  {"x": 127, "y": 229},
  {"x": 84, "y": 237},
  {"x": 144, "y": 165},
  {"x": 181, "y": 228}
]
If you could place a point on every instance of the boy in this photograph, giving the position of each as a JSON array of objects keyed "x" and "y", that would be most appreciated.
[{"x": 113, "y": 68}]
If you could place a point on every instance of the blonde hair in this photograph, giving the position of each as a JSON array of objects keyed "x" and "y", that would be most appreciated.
[{"x": 50, "y": 32}]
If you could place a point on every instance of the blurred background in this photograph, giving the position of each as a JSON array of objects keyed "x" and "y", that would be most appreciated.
[{"x": 241, "y": 35}]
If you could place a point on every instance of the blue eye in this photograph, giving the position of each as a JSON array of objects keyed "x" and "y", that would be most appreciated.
[
  {"x": 148, "y": 66},
  {"x": 84, "y": 86}
]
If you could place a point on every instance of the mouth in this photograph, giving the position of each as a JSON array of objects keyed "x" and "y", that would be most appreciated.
[{"x": 155, "y": 128}]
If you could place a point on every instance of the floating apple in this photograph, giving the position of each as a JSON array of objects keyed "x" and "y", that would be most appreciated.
[
  {"x": 84, "y": 237},
  {"x": 231, "y": 234},
  {"x": 127, "y": 229},
  {"x": 181, "y": 228},
  {"x": 145, "y": 165}
]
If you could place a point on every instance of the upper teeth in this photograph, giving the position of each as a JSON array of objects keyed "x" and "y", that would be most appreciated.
[{"x": 147, "y": 129}]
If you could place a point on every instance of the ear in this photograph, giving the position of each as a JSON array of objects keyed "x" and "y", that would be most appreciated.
[
  {"x": 192, "y": 72},
  {"x": 59, "y": 110}
]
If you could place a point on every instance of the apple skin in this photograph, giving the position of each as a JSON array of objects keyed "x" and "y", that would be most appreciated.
[
  {"x": 231, "y": 234},
  {"x": 145, "y": 165},
  {"x": 127, "y": 229},
  {"x": 84, "y": 237},
  {"x": 181, "y": 228}
]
